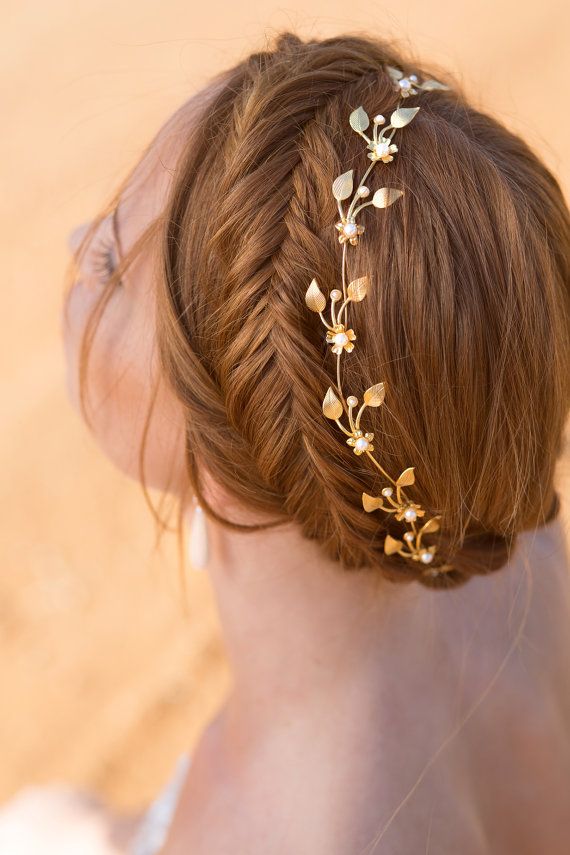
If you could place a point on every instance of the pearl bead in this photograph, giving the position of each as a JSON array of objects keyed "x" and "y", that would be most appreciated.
[
  {"x": 379, "y": 119},
  {"x": 352, "y": 401},
  {"x": 426, "y": 556},
  {"x": 410, "y": 515},
  {"x": 361, "y": 444},
  {"x": 382, "y": 149},
  {"x": 363, "y": 191},
  {"x": 387, "y": 491},
  {"x": 409, "y": 536},
  {"x": 336, "y": 294},
  {"x": 349, "y": 229},
  {"x": 341, "y": 338}
]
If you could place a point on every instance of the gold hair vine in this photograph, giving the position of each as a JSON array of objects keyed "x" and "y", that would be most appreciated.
[{"x": 341, "y": 337}]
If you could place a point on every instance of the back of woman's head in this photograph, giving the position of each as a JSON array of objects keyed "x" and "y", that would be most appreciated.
[{"x": 466, "y": 320}]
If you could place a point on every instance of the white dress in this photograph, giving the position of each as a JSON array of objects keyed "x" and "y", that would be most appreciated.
[
  {"x": 59, "y": 819},
  {"x": 154, "y": 826}
]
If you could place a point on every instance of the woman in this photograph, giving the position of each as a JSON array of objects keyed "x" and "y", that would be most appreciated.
[{"x": 376, "y": 706}]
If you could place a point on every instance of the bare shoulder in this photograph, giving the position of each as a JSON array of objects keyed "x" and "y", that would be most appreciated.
[
  {"x": 523, "y": 795},
  {"x": 521, "y": 750}
]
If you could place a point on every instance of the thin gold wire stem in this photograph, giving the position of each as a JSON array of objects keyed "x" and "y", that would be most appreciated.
[
  {"x": 383, "y": 471},
  {"x": 333, "y": 313},
  {"x": 364, "y": 137},
  {"x": 386, "y": 510},
  {"x": 342, "y": 309},
  {"x": 359, "y": 415},
  {"x": 327, "y": 325},
  {"x": 338, "y": 383},
  {"x": 364, "y": 205},
  {"x": 362, "y": 180},
  {"x": 350, "y": 419},
  {"x": 342, "y": 427}
]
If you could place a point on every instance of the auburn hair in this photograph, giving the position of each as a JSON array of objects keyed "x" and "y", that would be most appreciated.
[{"x": 467, "y": 319}]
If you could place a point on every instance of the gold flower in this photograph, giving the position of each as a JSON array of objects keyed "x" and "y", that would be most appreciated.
[
  {"x": 341, "y": 338},
  {"x": 406, "y": 86},
  {"x": 382, "y": 150},
  {"x": 360, "y": 442},
  {"x": 349, "y": 230},
  {"x": 409, "y": 512}
]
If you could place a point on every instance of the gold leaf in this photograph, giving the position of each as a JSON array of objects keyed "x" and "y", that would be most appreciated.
[
  {"x": 314, "y": 297},
  {"x": 374, "y": 396},
  {"x": 391, "y": 545},
  {"x": 432, "y": 84},
  {"x": 358, "y": 119},
  {"x": 342, "y": 186},
  {"x": 358, "y": 289},
  {"x": 403, "y": 116},
  {"x": 430, "y": 525},
  {"x": 394, "y": 73},
  {"x": 386, "y": 196},
  {"x": 370, "y": 503},
  {"x": 406, "y": 478},
  {"x": 332, "y": 407}
]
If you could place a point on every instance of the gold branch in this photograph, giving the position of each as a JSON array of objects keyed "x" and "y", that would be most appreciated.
[{"x": 341, "y": 338}]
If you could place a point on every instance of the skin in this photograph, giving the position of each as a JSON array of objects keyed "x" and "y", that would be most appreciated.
[{"x": 435, "y": 722}]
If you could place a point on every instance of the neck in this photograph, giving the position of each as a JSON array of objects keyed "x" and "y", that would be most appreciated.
[{"x": 305, "y": 637}]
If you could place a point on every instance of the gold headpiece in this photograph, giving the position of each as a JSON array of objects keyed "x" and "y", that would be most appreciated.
[{"x": 339, "y": 334}]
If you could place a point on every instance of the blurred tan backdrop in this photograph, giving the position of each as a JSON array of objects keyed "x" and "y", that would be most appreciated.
[{"x": 104, "y": 678}]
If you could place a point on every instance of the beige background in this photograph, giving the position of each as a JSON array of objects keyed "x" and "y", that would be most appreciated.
[{"x": 104, "y": 677}]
